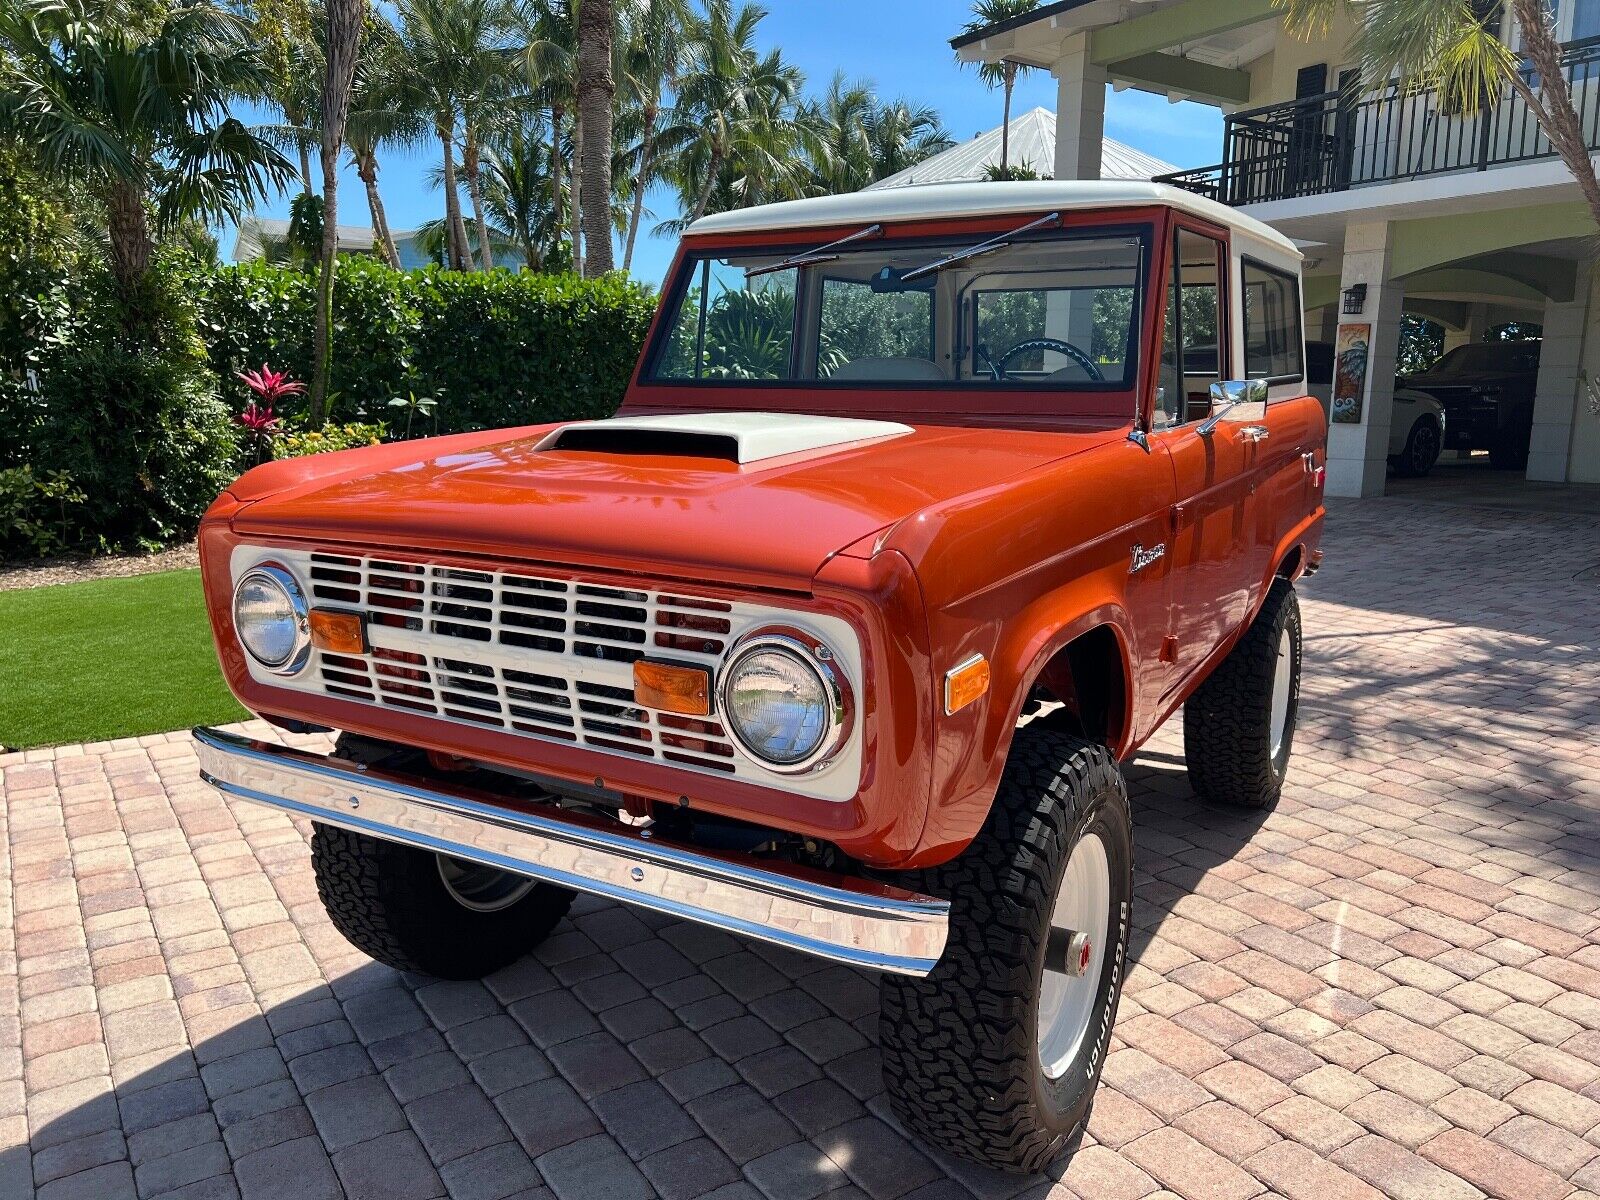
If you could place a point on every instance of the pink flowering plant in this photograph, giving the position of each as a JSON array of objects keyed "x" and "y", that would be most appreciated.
[{"x": 262, "y": 422}]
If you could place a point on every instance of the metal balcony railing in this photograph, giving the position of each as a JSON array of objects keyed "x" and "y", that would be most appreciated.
[{"x": 1346, "y": 139}]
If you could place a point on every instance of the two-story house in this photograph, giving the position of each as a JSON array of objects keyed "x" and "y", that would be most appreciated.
[{"x": 1400, "y": 204}]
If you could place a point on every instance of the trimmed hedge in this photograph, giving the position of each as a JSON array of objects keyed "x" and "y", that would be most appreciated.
[{"x": 497, "y": 348}]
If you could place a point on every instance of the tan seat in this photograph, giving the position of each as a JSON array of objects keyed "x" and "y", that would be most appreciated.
[{"x": 892, "y": 369}]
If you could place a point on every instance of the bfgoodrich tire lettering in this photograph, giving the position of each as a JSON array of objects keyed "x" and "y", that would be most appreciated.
[
  {"x": 1236, "y": 748},
  {"x": 960, "y": 1048}
]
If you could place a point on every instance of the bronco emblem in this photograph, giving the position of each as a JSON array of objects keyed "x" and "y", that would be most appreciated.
[{"x": 1142, "y": 558}]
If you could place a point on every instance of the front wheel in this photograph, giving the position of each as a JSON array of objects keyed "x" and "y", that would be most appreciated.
[
  {"x": 1421, "y": 450},
  {"x": 995, "y": 1056},
  {"x": 1238, "y": 727}
]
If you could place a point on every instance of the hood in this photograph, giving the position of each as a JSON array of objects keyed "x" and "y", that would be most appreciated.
[{"x": 764, "y": 501}]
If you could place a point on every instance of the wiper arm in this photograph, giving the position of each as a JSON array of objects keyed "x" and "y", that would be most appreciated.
[
  {"x": 998, "y": 242},
  {"x": 819, "y": 255}
]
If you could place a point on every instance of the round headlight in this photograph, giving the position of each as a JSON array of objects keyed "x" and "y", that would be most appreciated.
[
  {"x": 783, "y": 702},
  {"x": 271, "y": 619}
]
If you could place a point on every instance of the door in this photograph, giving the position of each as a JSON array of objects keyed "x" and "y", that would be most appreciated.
[
  {"x": 1305, "y": 131},
  {"x": 1213, "y": 519}
]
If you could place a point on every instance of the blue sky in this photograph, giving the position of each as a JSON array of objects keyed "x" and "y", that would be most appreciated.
[{"x": 902, "y": 46}]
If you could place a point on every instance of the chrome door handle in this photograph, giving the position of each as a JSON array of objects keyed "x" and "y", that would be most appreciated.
[{"x": 1255, "y": 433}]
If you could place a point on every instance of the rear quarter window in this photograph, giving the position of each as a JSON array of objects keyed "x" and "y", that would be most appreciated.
[{"x": 1274, "y": 345}]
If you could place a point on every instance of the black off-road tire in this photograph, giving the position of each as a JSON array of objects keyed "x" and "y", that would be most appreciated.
[
  {"x": 390, "y": 902},
  {"x": 1227, "y": 723},
  {"x": 960, "y": 1048}
]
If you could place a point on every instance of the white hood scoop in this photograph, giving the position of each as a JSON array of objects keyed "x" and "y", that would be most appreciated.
[{"x": 740, "y": 437}]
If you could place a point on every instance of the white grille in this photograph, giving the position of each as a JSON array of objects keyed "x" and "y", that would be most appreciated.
[{"x": 538, "y": 655}]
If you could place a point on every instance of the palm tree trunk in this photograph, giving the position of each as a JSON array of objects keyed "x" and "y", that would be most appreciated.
[
  {"x": 367, "y": 169},
  {"x": 454, "y": 238},
  {"x": 305, "y": 168},
  {"x": 346, "y": 20},
  {"x": 712, "y": 168},
  {"x": 472, "y": 167},
  {"x": 558, "y": 201},
  {"x": 1010, "y": 81},
  {"x": 647, "y": 154},
  {"x": 575, "y": 212},
  {"x": 596, "y": 91},
  {"x": 1556, "y": 112},
  {"x": 129, "y": 228}
]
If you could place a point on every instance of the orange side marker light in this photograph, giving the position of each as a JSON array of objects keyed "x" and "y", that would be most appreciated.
[
  {"x": 965, "y": 684},
  {"x": 672, "y": 687},
  {"x": 338, "y": 632}
]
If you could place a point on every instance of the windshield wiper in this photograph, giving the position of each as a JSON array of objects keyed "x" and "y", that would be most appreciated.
[
  {"x": 998, "y": 242},
  {"x": 819, "y": 255}
]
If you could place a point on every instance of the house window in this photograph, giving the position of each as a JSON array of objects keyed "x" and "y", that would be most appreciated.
[{"x": 1274, "y": 343}]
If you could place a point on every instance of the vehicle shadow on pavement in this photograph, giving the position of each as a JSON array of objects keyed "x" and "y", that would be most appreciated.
[{"x": 631, "y": 1055}]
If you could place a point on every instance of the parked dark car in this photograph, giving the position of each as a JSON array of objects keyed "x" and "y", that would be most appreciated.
[
  {"x": 1487, "y": 390},
  {"x": 1416, "y": 428}
]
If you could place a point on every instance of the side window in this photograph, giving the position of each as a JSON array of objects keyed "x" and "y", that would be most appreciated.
[
  {"x": 1274, "y": 345},
  {"x": 1193, "y": 342}
]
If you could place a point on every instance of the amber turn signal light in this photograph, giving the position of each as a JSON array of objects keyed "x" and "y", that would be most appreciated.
[
  {"x": 965, "y": 684},
  {"x": 338, "y": 632},
  {"x": 671, "y": 687}
]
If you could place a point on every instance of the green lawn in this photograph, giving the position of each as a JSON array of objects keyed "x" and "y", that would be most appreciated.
[{"x": 82, "y": 662}]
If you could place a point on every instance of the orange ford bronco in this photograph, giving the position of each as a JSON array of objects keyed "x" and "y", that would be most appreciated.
[{"x": 924, "y": 509}]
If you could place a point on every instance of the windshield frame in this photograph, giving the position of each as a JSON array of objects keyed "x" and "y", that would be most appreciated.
[{"x": 972, "y": 398}]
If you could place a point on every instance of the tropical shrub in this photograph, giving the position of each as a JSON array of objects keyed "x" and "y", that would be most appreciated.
[
  {"x": 297, "y": 442},
  {"x": 34, "y": 511},
  {"x": 490, "y": 349},
  {"x": 119, "y": 400}
]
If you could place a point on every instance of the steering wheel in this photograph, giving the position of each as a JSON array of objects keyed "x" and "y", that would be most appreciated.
[{"x": 998, "y": 366}]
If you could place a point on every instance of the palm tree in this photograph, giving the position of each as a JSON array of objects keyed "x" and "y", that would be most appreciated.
[
  {"x": 518, "y": 189},
  {"x": 901, "y": 135},
  {"x": 294, "y": 57},
  {"x": 551, "y": 60},
  {"x": 844, "y": 159},
  {"x": 597, "y": 91},
  {"x": 140, "y": 116},
  {"x": 346, "y": 22},
  {"x": 1446, "y": 44},
  {"x": 1003, "y": 74},
  {"x": 385, "y": 110},
  {"x": 654, "y": 56},
  {"x": 735, "y": 114},
  {"x": 457, "y": 51}
]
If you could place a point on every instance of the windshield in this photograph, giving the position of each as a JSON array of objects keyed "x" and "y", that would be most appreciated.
[
  {"x": 1057, "y": 311},
  {"x": 1488, "y": 356}
]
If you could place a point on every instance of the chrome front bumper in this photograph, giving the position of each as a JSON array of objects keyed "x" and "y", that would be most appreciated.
[{"x": 839, "y": 917}]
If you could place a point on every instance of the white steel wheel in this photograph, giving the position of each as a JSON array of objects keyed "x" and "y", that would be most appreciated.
[
  {"x": 1067, "y": 1001},
  {"x": 482, "y": 889},
  {"x": 1282, "y": 690}
]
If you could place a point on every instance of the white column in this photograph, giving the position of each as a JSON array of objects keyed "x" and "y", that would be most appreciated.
[
  {"x": 1358, "y": 453},
  {"x": 1560, "y": 357},
  {"x": 1472, "y": 331},
  {"x": 1080, "y": 112}
]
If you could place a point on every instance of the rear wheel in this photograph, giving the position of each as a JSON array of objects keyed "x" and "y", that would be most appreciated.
[
  {"x": 1238, "y": 728},
  {"x": 995, "y": 1056}
]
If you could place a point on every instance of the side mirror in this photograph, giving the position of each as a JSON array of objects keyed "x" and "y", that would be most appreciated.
[{"x": 1235, "y": 393}]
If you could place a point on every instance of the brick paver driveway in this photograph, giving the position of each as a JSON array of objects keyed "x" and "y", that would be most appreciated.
[{"x": 1389, "y": 987}]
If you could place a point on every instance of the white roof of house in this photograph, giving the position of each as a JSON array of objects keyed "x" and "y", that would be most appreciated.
[
  {"x": 937, "y": 200},
  {"x": 1033, "y": 145}
]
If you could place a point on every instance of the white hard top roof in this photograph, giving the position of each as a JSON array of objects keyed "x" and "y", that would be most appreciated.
[{"x": 938, "y": 200}]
